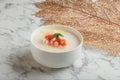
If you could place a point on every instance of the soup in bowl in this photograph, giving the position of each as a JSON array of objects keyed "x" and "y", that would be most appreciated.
[{"x": 56, "y": 46}]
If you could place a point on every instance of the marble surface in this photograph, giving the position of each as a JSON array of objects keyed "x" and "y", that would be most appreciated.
[{"x": 16, "y": 63}]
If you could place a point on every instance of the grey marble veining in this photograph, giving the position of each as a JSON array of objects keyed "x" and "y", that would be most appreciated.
[{"x": 16, "y": 63}]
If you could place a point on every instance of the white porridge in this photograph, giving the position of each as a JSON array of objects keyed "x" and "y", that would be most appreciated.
[{"x": 55, "y": 40}]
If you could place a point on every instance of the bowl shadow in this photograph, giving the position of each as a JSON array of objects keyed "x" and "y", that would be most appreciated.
[{"x": 23, "y": 63}]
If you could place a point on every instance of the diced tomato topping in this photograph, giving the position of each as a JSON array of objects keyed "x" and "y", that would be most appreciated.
[
  {"x": 62, "y": 42},
  {"x": 52, "y": 40},
  {"x": 49, "y": 36}
]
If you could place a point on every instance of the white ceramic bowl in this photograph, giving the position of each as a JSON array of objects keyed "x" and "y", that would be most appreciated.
[{"x": 55, "y": 59}]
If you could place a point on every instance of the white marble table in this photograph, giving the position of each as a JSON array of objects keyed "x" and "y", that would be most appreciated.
[{"x": 16, "y": 62}]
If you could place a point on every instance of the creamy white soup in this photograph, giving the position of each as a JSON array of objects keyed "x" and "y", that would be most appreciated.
[{"x": 55, "y": 40}]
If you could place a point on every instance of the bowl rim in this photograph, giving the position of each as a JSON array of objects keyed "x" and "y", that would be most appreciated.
[{"x": 60, "y": 26}]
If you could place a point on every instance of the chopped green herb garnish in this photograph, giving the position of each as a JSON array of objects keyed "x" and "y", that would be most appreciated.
[{"x": 57, "y": 35}]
